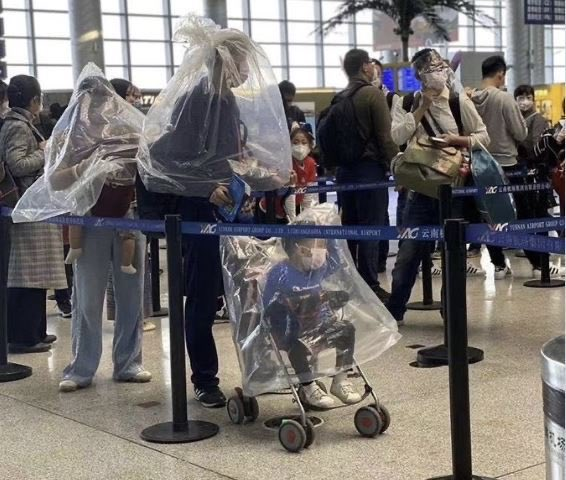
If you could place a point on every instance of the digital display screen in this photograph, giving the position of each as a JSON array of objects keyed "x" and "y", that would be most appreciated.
[
  {"x": 407, "y": 80},
  {"x": 388, "y": 79}
]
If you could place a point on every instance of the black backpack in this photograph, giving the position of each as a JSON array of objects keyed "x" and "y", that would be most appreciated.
[{"x": 338, "y": 134}]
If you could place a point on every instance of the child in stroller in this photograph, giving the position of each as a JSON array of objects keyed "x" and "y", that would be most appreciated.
[{"x": 302, "y": 317}]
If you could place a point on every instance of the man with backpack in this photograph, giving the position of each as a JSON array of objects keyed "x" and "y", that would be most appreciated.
[
  {"x": 434, "y": 113},
  {"x": 355, "y": 137}
]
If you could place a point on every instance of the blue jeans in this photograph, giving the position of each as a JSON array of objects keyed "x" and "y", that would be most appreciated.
[
  {"x": 419, "y": 210},
  {"x": 101, "y": 252}
]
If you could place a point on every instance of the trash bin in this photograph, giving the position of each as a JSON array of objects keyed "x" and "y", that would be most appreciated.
[{"x": 553, "y": 375}]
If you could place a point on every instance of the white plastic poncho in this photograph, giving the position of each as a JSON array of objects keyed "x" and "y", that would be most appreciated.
[
  {"x": 94, "y": 143},
  {"x": 220, "y": 114},
  {"x": 305, "y": 298}
]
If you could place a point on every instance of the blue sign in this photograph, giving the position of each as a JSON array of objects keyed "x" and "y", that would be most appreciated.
[
  {"x": 388, "y": 79},
  {"x": 544, "y": 12},
  {"x": 407, "y": 80}
]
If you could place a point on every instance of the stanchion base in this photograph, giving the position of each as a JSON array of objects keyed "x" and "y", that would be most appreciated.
[
  {"x": 195, "y": 431},
  {"x": 553, "y": 283},
  {"x": 423, "y": 306},
  {"x": 161, "y": 313},
  {"x": 451, "y": 477},
  {"x": 13, "y": 371},
  {"x": 438, "y": 356}
]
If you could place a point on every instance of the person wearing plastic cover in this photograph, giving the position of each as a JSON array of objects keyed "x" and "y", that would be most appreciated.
[
  {"x": 220, "y": 114},
  {"x": 298, "y": 309},
  {"x": 90, "y": 170}
]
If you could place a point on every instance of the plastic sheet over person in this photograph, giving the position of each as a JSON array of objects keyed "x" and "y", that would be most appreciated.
[
  {"x": 221, "y": 114},
  {"x": 93, "y": 144},
  {"x": 305, "y": 299}
]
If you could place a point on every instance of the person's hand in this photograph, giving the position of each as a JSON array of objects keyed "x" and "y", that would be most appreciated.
[
  {"x": 455, "y": 140},
  {"x": 42, "y": 145},
  {"x": 221, "y": 197},
  {"x": 293, "y": 179},
  {"x": 469, "y": 91}
]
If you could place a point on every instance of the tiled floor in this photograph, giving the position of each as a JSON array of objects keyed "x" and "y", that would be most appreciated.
[{"x": 94, "y": 433}]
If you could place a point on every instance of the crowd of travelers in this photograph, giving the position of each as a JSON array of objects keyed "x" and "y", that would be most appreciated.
[{"x": 105, "y": 263}]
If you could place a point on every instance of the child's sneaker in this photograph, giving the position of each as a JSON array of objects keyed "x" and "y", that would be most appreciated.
[
  {"x": 314, "y": 396},
  {"x": 344, "y": 390},
  {"x": 74, "y": 254}
]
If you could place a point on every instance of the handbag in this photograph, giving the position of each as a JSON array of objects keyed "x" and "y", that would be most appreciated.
[
  {"x": 9, "y": 191},
  {"x": 424, "y": 165},
  {"x": 487, "y": 172}
]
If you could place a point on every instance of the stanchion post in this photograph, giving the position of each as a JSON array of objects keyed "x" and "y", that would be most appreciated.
[
  {"x": 456, "y": 315},
  {"x": 427, "y": 302},
  {"x": 9, "y": 372},
  {"x": 157, "y": 311},
  {"x": 438, "y": 356},
  {"x": 180, "y": 430}
]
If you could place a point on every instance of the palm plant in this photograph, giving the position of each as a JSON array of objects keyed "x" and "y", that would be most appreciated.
[{"x": 403, "y": 12}]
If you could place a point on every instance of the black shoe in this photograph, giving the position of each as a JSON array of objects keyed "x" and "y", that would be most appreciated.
[
  {"x": 65, "y": 310},
  {"x": 49, "y": 339},
  {"x": 211, "y": 397},
  {"x": 37, "y": 348},
  {"x": 383, "y": 295}
]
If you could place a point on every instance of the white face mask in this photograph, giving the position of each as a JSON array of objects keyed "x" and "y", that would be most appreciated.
[
  {"x": 435, "y": 80},
  {"x": 316, "y": 260},
  {"x": 300, "y": 152},
  {"x": 525, "y": 105}
]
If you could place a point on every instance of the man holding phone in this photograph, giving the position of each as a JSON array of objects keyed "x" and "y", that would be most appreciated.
[{"x": 454, "y": 121}]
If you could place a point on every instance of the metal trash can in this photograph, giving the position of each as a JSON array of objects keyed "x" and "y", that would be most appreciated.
[{"x": 553, "y": 377}]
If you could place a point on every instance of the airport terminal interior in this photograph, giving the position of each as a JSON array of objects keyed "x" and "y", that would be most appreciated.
[{"x": 50, "y": 430}]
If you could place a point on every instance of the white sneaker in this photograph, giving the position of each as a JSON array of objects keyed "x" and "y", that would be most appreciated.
[
  {"x": 434, "y": 271},
  {"x": 141, "y": 377},
  {"x": 502, "y": 272},
  {"x": 554, "y": 272},
  {"x": 472, "y": 270},
  {"x": 128, "y": 269},
  {"x": 67, "y": 386},
  {"x": 148, "y": 326},
  {"x": 74, "y": 254},
  {"x": 344, "y": 390},
  {"x": 315, "y": 396}
]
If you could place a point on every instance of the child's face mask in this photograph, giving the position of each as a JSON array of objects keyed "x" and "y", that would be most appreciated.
[{"x": 300, "y": 151}]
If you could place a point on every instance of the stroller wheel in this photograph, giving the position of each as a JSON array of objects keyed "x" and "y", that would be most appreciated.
[
  {"x": 235, "y": 408},
  {"x": 309, "y": 430},
  {"x": 368, "y": 421},
  {"x": 385, "y": 417},
  {"x": 292, "y": 436},
  {"x": 252, "y": 408}
]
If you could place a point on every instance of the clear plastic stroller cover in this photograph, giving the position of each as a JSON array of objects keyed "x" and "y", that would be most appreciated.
[
  {"x": 94, "y": 143},
  {"x": 303, "y": 299},
  {"x": 220, "y": 114}
]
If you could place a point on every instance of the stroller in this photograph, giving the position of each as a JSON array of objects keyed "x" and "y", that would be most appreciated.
[{"x": 329, "y": 315}]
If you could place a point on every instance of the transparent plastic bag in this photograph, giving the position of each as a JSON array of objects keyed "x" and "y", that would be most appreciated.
[
  {"x": 93, "y": 144},
  {"x": 220, "y": 114},
  {"x": 305, "y": 299}
]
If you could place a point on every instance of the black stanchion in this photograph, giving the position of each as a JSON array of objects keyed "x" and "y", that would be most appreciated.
[
  {"x": 158, "y": 311},
  {"x": 9, "y": 372},
  {"x": 427, "y": 302},
  {"x": 455, "y": 294},
  {"x": 438, "y": 356},
  {"x": 180, "y": 430}
]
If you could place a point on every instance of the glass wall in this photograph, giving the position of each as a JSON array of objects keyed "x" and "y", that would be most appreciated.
[{"x": 138, "y": 46}]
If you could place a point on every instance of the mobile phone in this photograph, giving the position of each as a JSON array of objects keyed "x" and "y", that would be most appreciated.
[{"x": 438, "y": 140}]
